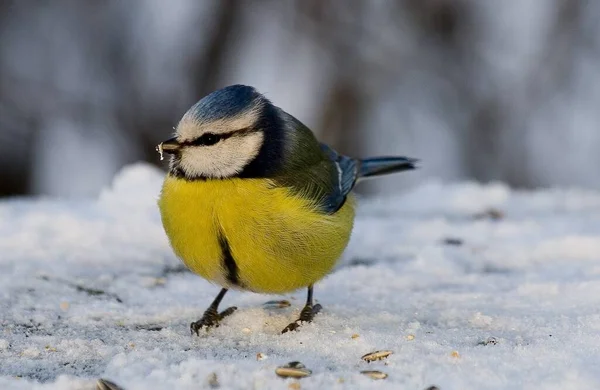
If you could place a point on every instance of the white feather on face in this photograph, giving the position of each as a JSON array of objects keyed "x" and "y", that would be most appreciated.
[{"x": 227, "y": 157}]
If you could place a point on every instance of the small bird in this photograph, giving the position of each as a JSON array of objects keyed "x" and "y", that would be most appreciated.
[{"x": 252, "y": 201}]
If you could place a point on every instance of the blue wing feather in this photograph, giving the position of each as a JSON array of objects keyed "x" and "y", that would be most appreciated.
[
  {"x": 325, "y": 176},
  {"x": 342, "y": 183},
  {"x": 350, "y": 170}
]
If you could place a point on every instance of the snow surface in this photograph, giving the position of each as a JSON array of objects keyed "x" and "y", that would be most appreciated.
[{"x": 91, "y": 289}]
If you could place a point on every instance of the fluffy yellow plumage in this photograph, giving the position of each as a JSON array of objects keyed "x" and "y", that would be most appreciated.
[
  {"x": 254, "y": 202},
  {"x": 280, "y": 241}
]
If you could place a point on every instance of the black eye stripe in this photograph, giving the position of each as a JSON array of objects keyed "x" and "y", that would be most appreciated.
[{"x": 208, "y": 139}]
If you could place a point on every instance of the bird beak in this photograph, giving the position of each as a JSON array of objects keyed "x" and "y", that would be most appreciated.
[{"x": 170, "y": 146}]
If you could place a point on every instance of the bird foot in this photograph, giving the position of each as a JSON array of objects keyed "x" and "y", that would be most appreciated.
[
  {"x": 306, "y": 315},
  {"x": 211, "y": 318}
]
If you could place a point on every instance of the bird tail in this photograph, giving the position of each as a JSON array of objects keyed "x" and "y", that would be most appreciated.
[{"x": 376, "y": 166}]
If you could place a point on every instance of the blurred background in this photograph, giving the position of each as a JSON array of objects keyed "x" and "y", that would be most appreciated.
[{"x": 478, "y": 90}]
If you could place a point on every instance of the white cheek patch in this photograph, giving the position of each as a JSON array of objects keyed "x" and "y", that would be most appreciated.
[{"x": 226, "y": 158}]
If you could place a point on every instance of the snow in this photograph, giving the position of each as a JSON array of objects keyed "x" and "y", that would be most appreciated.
[{"x": 90, "y": 289}]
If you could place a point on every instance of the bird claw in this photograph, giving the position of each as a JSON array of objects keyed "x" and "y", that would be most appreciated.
[
  {"x": 306, "y": 315},
  {"x": 210, "y": 319},
  {"x": 292, "y": 327},
  {"x": 202, "y": 323}
]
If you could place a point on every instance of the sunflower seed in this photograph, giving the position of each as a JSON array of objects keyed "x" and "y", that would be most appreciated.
[
  {"x": 377, "y": 355},
  {"x": 104, "y": 384},
  {"x": 374, "y": 374},
  {"x": 293, "y": 370}
]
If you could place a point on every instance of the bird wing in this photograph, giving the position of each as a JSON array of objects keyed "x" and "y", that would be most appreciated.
[
  {"x": 313, "y": 170},
  {"x": 331, "y": 178},
  {"x": 346, "y": 169},
  {"x": 326, "y": 182}
]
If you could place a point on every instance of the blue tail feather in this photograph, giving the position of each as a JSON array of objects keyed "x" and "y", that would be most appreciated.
[{"x": 376, "y": 166}]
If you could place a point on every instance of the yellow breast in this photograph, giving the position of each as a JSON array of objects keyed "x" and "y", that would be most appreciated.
[{"x": 279, "y": 242}]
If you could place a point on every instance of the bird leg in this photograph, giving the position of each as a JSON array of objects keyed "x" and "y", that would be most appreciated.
[
  {"x": 211, "y": 316},
  {"x": 307, "y": 314}
]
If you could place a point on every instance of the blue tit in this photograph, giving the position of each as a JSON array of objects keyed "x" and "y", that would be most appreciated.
[{"x": 252, "y": 201}]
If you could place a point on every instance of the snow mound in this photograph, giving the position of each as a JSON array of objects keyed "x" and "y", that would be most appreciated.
[{"x": 137, "y": 186}]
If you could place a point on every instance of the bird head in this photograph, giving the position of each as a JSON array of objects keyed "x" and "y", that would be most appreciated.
[{"x": 223, "y": 134}]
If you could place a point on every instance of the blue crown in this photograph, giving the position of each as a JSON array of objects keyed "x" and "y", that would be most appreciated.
[{"x": 225, "y": 103}]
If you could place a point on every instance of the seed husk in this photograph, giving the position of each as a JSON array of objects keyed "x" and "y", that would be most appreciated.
[
  {"x": 293, "y": 370},
  {"x": 289, "y": 372},
  {"x": 278, "y": 304},
  {"x": 213, "y": 381},
  {"x": 104, "y": 384},
  {"x": 261, "y": 356},
  {"x": 159, "y": 149},
  {"x": 377, "y": 355},
  {"x": 373, "y": 374}
]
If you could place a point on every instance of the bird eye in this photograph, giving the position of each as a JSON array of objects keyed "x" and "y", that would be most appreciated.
[{"x": 207, "y": 139}]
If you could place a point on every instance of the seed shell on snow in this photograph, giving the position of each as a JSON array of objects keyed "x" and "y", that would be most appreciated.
[
  {"x": 374, "y": 374},
  {"x": 213, "y": 381},
  {"x": 293, "y": 370},
  {"x": 377, "y": 355},
  {"x": 261, "y": 356},
  {"x": 278, "y": 304},
  {"x": 104, "y": 384},
  {"x": 288, "y": 372}
]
